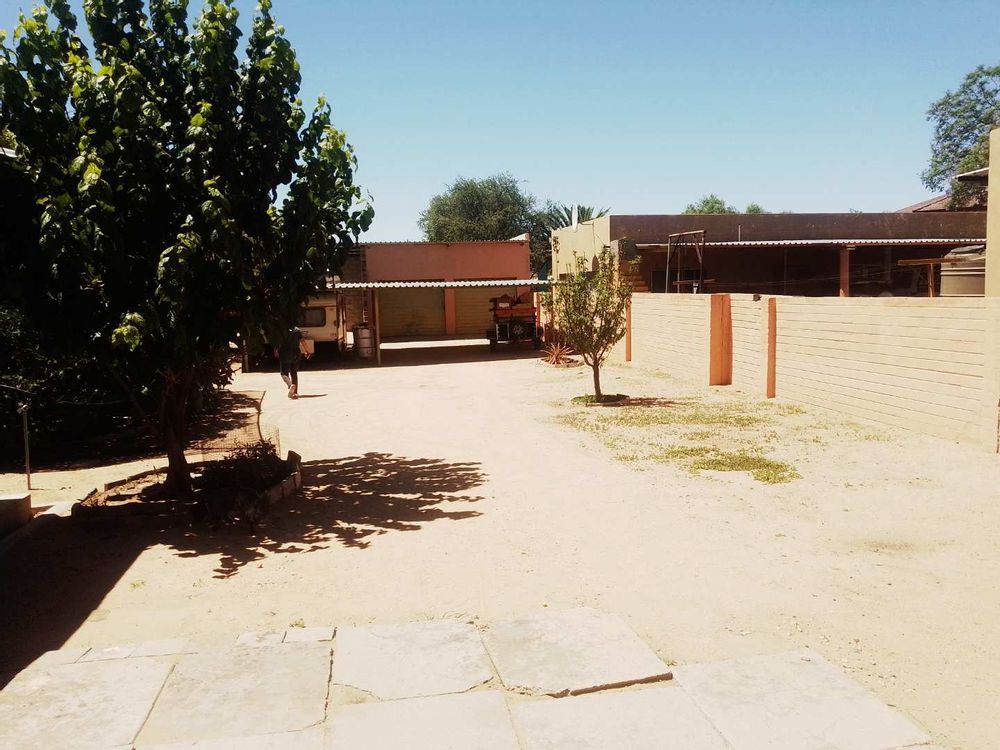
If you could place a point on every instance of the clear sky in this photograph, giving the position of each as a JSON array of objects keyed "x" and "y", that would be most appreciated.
[{"x": 642, "y": 107}]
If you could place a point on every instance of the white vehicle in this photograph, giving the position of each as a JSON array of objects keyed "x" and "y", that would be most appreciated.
[
  {"x": 321, "y": 321},
  {"x": 324, "y": 333}
]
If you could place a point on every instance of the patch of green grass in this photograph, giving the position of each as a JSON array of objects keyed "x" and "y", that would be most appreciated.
[
  {"x": 762, "y": 469},
  {"x": 721, "y": 415},
  {"x": 607, "y": 398},
  {"x": 299, "y": 623},
  {"x": 577, "y": 421},
  {"x": 682, "y": 451},
  {"x": 788, "y": 410},
  {"x": 701, "y": 435}
]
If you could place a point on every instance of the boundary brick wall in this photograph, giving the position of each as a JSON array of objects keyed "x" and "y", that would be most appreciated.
[
  {"x": 749, "y": 331},
  {"x": 906, "y": 362},
  {"x": 929, "y": 365},
  {"x": 670, "y": 332}
]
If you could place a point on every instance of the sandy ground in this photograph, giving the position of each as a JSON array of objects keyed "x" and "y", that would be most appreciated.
[{"x": 463, "y": 489}]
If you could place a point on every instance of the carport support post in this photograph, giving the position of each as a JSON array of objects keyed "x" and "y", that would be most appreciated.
[
  {"x": 27, "y": 446},
  {"x": 377, "y": 314},
  {"x": 845, "y": 271}
]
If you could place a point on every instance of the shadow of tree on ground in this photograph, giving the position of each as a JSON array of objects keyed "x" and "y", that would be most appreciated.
[
  {"x": 52, "y": 582},
  {"x": 346, "y": 500}
]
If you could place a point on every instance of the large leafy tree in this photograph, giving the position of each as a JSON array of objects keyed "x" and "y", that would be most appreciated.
[
  {"x": 155, "y": 161},
  {"x": 962, "y": 122},
  {"x": 492, "y": 208},
  {"x": 713, "y": 204},
  {"x": 590, "y": 306}
]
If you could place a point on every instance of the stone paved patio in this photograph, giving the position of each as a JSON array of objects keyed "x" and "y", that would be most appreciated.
[{"x": 437, "y": 685}]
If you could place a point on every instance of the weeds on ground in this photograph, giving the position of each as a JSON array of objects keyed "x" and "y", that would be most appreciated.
[
  {"x": 731, "y": 437},
  {"x": 607, "y": 398},
  {"x": 701, "y": 435},
  {"x": 719, "y": 415},
  {"x": 789, "y": 410},
  {"x": 762, "y": 469}
]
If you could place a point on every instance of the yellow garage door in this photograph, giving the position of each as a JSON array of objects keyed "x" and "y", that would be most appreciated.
[
  {"x": 472, "y": 310},
  {"x": 411, "y": 312}
]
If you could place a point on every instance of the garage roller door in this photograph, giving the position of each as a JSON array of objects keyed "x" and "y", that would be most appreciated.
[
  {"x": 472, "y": 310},
  {"x": 411, "y": 312}
]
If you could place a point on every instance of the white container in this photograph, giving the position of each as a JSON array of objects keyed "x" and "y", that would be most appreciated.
[{"x": 364, "y": 342}]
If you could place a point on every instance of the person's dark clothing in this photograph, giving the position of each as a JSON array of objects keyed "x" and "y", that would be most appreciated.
[
  {"x": 290, "y": 371},
  {"x": 289, "y": 352}
]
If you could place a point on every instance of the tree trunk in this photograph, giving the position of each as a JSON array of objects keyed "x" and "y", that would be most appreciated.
[
  {"x": 174, "y": 428},
  {"x": 597, "y": 382}
]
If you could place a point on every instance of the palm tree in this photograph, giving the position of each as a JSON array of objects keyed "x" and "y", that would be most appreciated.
[{"x": 559, "y": 215}]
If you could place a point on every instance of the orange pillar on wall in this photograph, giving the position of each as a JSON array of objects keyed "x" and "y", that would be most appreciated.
[
  {"x": 628, "y": 332},
  {"x": 720, "y": 337},
  {"x": 449, "y": 311},
  {"x": 772, "y": 348},
  {"x": 845, "y": 272}
]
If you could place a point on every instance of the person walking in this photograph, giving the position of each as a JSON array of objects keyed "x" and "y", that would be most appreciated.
[{"x": 289, "y": 355}]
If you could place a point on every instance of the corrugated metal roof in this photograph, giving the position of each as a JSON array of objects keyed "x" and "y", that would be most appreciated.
[
  {"x": 981, "y": 175},
  {"x": 829, "y": 243},
  {"x": 441, "y": 284},
  {"x": 515, "y": 240}
]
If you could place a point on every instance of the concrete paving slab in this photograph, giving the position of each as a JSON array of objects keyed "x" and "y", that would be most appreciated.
[
  {"x": 411, "y": 660},
  {"x": 111, "y": 652},
  {"x": 307, "y": 739},
  {"x": 570, "y": 652},
  {"x": 239, "y": 692},
  {"x": 61, "y": 656},
  {"x": 260, "y": 639},
  {"x": 308, "y": 635},
  {"x": 794, "y": 701},
  {"x": 167, "y": 647},
  {"x": 80, "y": 706},
  {"x": 656, "y": 718},
  {"x": 465, "y": 721}
]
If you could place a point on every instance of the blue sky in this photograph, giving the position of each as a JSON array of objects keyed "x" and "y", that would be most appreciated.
[{"x": 639, "y": 106}]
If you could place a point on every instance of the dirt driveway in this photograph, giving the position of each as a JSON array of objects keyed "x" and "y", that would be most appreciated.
[{"x": 472, "y": 488}]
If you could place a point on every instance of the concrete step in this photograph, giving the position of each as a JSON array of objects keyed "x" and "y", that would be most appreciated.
[{"x": 443, "y": 683}]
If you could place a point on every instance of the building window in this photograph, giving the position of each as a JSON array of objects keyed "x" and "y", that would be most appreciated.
[{"x": 312, "y": 317}]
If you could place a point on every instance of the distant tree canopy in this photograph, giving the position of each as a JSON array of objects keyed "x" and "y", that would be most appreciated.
[
  {"x": 495, "y": 208},
  {"x": 713, "y": 204},
  {"x": 962, "y": 122},
  {"x": 155, "y": 161},
  {"x": 492, "y": 208}
]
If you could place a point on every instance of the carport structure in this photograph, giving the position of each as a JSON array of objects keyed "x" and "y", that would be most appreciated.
[{"x": 464, "y": 305}]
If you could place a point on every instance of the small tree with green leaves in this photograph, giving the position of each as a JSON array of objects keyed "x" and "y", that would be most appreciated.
[{"x": 590, "y": 307}]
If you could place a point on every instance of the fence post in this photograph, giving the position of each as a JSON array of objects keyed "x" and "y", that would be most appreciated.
[
  {"x": 628, "y": 331},
  {"x": 771, "y": 369},
  {"x": 720, "y": 337}
]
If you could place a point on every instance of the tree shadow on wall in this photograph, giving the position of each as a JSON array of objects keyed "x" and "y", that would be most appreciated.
[{"x": 345, "y": 500}]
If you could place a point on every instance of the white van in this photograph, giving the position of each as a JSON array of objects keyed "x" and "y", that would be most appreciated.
[{"x": 322, "y": 323}]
